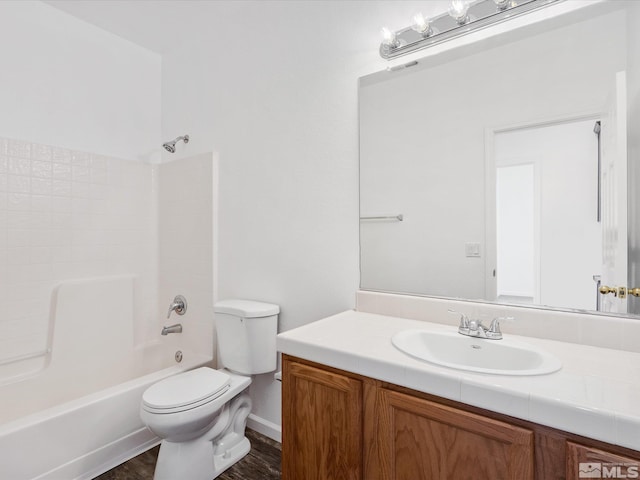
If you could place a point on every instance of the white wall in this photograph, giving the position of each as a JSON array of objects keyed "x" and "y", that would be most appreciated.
[{"x": 65, "y": 82}]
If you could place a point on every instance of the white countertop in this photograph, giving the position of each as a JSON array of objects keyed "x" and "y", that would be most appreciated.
[{"x": 595, "y": 394}]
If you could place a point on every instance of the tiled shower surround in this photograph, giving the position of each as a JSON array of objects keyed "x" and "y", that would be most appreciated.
[{"x": 67, "y": 214}]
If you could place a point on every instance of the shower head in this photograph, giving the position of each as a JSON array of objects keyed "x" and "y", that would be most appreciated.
[{"x": 171, "y": 146}]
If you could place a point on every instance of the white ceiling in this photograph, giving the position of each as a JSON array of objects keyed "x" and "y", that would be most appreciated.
[{"x": 157, "y": 25}]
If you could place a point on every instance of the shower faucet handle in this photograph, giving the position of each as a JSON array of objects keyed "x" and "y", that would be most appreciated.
[{"x": 179, "y": 306}]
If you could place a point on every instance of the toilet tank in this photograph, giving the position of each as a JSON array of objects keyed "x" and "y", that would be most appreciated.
[{"x": 246, "y": 332}]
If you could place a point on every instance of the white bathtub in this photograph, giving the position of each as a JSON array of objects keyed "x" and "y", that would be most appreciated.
[{"x": 73, "y": 414}]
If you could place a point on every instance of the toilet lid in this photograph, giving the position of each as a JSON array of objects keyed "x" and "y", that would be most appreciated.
[{"x": 187, "y": 388}]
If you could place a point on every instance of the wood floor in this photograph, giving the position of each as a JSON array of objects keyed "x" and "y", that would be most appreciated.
[{"x": 262, "y": 463}]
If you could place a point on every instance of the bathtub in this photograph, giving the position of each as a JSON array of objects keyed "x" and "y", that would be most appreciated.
[{"x": 73, "y": 413}]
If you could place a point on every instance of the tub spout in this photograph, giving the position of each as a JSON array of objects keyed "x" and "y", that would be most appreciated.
[{"x": 177, "y": 328}]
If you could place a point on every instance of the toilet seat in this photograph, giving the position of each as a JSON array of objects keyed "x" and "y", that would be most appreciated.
[{"x": 185, "y": 391}]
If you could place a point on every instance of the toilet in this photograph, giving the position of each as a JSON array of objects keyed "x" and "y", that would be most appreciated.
[{"x": 201, "y": 414}]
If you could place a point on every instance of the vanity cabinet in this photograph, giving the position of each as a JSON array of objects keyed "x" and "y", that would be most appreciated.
[
  {"x": 339, "y": 425},
  {"x": 593, "y": 460},
  {"x": 323, "y": 430},
  {"x": 423, "y": 440}
]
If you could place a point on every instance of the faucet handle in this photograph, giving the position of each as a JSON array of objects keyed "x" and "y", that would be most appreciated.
[
  {"x": 179, "y": 306},
  {"x": 464, "y": 320},
  {"x": 495, "y": 324}
]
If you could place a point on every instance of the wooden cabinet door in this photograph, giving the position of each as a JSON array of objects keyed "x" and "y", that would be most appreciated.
[
  {"x": 423, "y": 440},
  {"x": 589, "y": 462},
  {"x": 321, "y": 424}
]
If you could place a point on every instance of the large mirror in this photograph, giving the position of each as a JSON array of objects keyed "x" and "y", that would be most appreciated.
[{"x": 506, "y": 171}]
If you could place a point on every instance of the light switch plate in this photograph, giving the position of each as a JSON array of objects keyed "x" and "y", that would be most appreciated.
[{"x": 472, "y": 249}]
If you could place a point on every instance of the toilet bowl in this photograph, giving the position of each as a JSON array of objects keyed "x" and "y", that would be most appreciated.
[{"x": 201, "y": 414}]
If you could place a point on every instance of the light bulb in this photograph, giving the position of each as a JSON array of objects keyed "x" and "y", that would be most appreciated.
[
  {"x": 388, "y": 38},
  {"x": 458, "y": 10},
  {"x": 502, "y": 4},
  {"x": 421, "y": 24}
]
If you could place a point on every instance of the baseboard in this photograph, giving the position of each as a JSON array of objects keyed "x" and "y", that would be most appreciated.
[{"x": 265, "y": 427}]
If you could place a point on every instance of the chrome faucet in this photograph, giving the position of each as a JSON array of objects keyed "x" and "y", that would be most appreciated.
[
  {"x": 177, "y": 328},
  {"x": 464, "y": 320},
  {"x": 475, "y": 328},
  {"x": 179, "y": 306}
]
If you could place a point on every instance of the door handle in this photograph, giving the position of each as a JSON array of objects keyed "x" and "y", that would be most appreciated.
[
  {"x": 620, "y": 292},
  {"x": 604, "y": 289}
]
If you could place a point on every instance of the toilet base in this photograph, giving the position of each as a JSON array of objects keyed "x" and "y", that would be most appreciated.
[
  {"x": 206, "y": 457},
  {"x": 231, "y": 456},
  {"x": 196, "y": 461}
]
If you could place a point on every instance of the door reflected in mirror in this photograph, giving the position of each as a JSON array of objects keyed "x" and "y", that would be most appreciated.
[{"x": 548, "y": 233}]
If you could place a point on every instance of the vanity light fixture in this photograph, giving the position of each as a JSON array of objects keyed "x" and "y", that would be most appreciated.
[
  {"x": 463, "y": 16},
  {"x": 458, "y": 11},
  {"x": 502, "y": 4},
  {"x": 389, "y": 39},
  {"x": 421, "y": 25}
]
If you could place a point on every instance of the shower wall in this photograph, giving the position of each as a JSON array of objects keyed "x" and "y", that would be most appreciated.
[
  {"x": 80, "y": 125},
  {"x": 186, "y": 210},
  {"x": 67, "y": 214}
]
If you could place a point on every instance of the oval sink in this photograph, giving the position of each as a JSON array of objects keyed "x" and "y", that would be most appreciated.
[{"x": 498, "y": 357}]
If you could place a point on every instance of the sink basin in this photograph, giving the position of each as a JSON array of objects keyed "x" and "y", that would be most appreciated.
[{"x": 498, "y": 357}]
